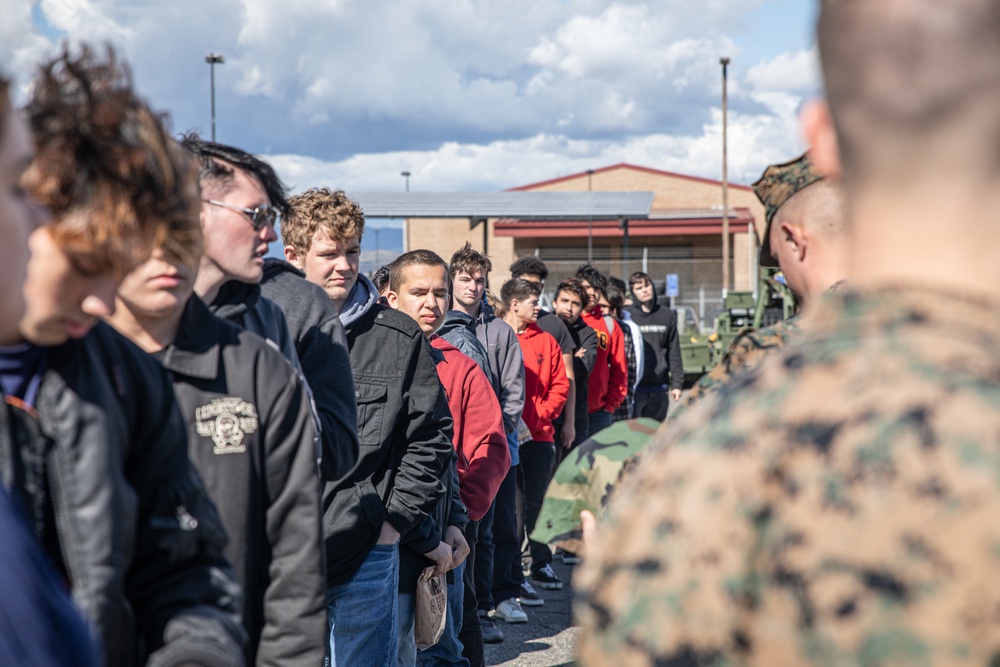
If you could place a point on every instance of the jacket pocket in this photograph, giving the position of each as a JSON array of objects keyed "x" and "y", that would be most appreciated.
[
  {"x": 371, "y": 399},
  {"x": 372, "y": 507}
]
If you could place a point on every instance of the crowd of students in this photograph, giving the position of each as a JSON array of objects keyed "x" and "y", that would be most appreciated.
[{"x": 223, "y": 459}]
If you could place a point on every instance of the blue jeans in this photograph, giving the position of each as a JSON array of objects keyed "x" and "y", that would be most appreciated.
[
  {"x": 362, "y": 618},
  {"x": 448, "y": 650},
  {"x": 600, "y": 420}
]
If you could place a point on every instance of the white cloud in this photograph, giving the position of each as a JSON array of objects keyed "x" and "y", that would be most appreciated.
[{"x": 788, "y": 72}]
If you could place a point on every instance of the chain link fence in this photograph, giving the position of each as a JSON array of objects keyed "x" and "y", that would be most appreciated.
[{"x": 699, "y": 278}]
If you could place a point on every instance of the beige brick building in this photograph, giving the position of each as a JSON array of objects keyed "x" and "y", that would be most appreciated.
[{"x": 682, "y": 236}]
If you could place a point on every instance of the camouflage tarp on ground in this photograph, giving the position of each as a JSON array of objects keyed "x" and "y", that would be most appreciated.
[{"x": 585, "y": 479}]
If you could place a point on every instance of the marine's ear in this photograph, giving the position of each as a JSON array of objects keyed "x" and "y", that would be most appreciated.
[{"x": 821, "y": 135}]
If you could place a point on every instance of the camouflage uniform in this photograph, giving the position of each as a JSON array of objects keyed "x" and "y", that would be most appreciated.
[
  {"x": 585, "y": 479},
  {"x": 838, "y": 506}
]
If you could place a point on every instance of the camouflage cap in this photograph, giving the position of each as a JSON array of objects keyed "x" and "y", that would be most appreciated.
[
  {"x": 585, "y": 479},
  {"x": 776, "y": 186}
]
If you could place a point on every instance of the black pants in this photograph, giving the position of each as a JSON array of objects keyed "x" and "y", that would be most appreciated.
[
  {"x": 471, "y": 634},
  {"x": 537, "y": 459},
  {"x": 484, "y": 560},
  {"x": 652, "y": 405},
  {"x": 507, "y": 574}
]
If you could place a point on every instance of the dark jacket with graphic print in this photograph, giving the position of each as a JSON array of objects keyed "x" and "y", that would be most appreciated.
[{"x": 251, "y": 436}]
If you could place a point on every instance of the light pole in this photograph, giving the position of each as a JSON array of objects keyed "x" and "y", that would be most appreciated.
[
  {"x": 213, "y": 59},
  {"x": 376, "y": 230},
  {"x": 590, "y": 220},
  {"x": 406, "y": 175},
  {"x": 725, "y": 180}
]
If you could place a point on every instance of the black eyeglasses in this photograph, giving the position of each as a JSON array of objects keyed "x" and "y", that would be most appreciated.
[{"x": 260, "y": 217}]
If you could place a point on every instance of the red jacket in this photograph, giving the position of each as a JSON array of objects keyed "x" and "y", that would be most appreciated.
[
  {"x": 545, "y": 383},
  {"x": 608, "y": 382},
  {"x": 480, "y": 441}
]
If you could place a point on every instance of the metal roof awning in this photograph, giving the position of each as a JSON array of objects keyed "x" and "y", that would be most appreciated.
[
  {"x": 519, "y": 205},
  {"x": 661, "y": 222}
]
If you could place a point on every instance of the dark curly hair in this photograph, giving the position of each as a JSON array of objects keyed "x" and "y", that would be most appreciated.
[{"x": 106, "y": 166}]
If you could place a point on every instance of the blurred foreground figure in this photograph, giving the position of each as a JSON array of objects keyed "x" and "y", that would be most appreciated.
[
  {"x": 38, "y": 624},
  {"x": 100, "y": 449},
  {"x": 838, "y": 505}
]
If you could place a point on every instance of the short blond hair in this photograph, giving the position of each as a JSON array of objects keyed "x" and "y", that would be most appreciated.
[{"x": 317, "y": 209}]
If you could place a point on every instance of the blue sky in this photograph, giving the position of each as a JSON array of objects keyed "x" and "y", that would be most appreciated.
[{"x": 468, "y": 95}]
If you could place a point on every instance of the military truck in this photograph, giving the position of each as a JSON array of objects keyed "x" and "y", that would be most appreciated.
[{"x": 775, "y": 302}]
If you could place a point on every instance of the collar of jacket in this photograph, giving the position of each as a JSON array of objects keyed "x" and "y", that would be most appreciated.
[
  {"x": 454, "y": 319},
  {"x": 196, "y": 348},
  {"x": 234, "y": 299}
]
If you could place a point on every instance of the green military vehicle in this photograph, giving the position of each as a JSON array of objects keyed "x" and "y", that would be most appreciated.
[{"x": 775, "y": 302}]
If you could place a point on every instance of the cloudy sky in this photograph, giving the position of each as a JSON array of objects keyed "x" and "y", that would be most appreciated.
[{"x": 468, "y": 95}]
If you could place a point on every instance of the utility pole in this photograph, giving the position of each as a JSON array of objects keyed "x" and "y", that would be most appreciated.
[
  {"x": 725, "y": 179},
  {"x": 213, "y": 59},
  {"x": 406, "y": 175},
  {"x": 590, "y": 221}
]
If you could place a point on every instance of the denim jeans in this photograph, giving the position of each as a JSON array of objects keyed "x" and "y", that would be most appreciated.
[
  {"x": 537, "y": 459},
  {"x": 471, "y": 633},
  {"x": 507, "y": 575},
  {"x": 448, "y": 650},
  {"x": 363, "y": 610},
  {"x": 600, "y": 420}
]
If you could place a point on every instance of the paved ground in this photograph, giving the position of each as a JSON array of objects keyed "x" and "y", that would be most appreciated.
[{"x": 547, "y": 639}]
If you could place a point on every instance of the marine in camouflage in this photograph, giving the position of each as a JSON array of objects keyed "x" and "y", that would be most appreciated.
[
  {"x": 585, "y": 479},
  {"x": 838, "y": 506}
]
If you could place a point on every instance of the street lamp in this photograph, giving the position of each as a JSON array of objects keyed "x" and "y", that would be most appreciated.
[
  {"x": 590, "y": 220},
  {"x": 213, "y": 59},
  {"x": 725, "y": 179},
  {"x": 406, "y": 175}
]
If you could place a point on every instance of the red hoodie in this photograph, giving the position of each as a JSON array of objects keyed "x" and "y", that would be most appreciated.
[
  {"x": 608, "y": 382},
  {"x": 480, "y": 441},
  {"x": 545, "y": 383}
]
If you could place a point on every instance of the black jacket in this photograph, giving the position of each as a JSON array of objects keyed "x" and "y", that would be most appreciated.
[
  {"x": 404, "y": 430},
  {"x": 251, "y": 436},
  {"x": 586, "y": 338},
  {"x": 244, "y": 305},
  {"x": 661, "y": 346},
  {"x": 459, "y": 329},
  {"x": 105, "y": 468},
  {"x": 321, "y": 345}
]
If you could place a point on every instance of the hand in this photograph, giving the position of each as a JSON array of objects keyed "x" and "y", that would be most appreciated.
[
  {"x": 454, "y": 538},
  {"x": 568, "y": 435},
  {"x": 389, "y": 534},
  {"x": 589, "y": 528},
  {"x": 580, "y": 353},
  {"x": 675, "y": 395},
  {"x": 441, "y": 555}
]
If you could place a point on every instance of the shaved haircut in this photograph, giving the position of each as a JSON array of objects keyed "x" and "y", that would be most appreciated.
[
  {"x": 819, "y": 208},
  {"x": 913, "y": 86}
]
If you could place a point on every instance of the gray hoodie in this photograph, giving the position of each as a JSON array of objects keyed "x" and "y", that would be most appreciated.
[{"x": 506, "y": 363}]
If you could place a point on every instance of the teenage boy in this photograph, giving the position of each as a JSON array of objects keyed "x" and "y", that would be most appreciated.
[
  {"x": 570, "y": 300},
  {"x": 404, "y": 430},
  {"x": 607, "y": 385},
  {"x": 105, "y": 474},
  {"x": 38, "y": 623},
  {"x": 532, "y": 269},
  {"x": 663, "y": 374},
  {"x": 242, "y": 199},
  {"x": 545, "y": 392},
  {"x": 418, "y": 286},
  {"x": 251, "y": 436},
  {"x": 498, "y": 554}
]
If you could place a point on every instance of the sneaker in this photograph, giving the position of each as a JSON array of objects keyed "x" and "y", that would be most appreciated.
[
  {"x": 529, "y": 596},
  {"x": 547, "y": 579},
  {"x": 569, "y": 558},
  {"x": 491, "y": 633},
  {"x": 510, "y": 611}
]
